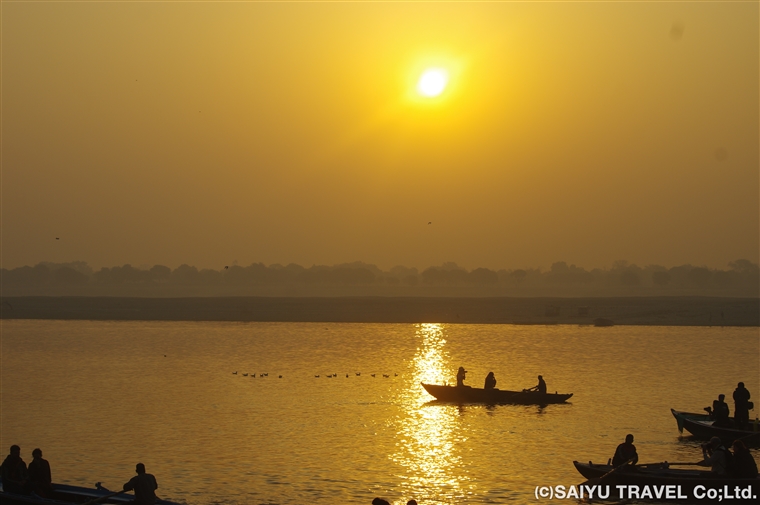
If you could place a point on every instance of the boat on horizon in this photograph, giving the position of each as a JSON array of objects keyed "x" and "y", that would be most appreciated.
[{"x": 468, "y": 394}]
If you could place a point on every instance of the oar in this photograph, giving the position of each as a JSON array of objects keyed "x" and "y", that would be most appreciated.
[
  {"x": 753, "y": 434},
  {"x": 597, "y": 480},
  {"x": 97, "y": 500},
  {"x": 668, "y": 463}
]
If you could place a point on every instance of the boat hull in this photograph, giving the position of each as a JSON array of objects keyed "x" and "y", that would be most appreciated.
[
  {"x": 670, "y": 484},
  {"x": 466, "y": 394},
  {"x": 64, "y": 494},
  {"x": 701, "y": 427}
]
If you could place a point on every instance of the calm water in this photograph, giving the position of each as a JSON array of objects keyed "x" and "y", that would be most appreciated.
[{"x": 98, "y": 397}]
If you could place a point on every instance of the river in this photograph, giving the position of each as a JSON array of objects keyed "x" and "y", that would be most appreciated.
[{"x": 99, "y": 396}]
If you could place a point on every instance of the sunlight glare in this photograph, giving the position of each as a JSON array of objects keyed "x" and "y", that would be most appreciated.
[
  {"x": 432, "y": 435},
  {"x": 432, "y": 82}
]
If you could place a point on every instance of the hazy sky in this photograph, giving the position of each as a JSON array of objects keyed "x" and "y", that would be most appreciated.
[{"x": 208, "y": 133}]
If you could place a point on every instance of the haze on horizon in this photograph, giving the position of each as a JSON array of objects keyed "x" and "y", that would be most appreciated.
[{"x": 215, "y": 133}]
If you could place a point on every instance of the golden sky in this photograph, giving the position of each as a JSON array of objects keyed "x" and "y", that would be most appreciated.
[{"x": 208, "y": 133}]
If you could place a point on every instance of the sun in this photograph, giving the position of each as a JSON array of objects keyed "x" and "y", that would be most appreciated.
[{"x": 432, "y": 82}]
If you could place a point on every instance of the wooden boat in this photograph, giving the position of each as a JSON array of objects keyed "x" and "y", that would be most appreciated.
[
  {"x": 684, "y": 485},
  {"x": 64, "y": 494},
  {"x": 467, "y": 394},
  {"x": 701, "y": 426}
]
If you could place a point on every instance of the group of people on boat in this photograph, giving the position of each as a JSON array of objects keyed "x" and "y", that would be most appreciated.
[
  {"x": 737, "y": 462},
  {"x": 19, "y": 479},
  {"x": 490, "y": 382},
  {"x": 37, "y": 479},
  {"x": 720, "y": 413}
]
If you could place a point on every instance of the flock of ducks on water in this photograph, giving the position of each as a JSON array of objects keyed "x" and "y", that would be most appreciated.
[
  {"x": 328, "y": 376},
  {"x": 254, "y": 375}
]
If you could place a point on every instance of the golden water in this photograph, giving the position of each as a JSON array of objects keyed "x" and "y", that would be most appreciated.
[{"x": 98, "y": 397}]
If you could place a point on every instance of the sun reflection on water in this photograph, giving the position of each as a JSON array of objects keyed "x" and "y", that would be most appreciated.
[{"x": 430, "y": 438}]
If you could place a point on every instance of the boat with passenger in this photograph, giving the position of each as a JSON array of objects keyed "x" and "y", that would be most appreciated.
[
  {"x": 467, "y": 394},
  {"x": 659, "y": 481},
  {"x": 702, "y": 427},
  {"x": 65, "y": 494}
]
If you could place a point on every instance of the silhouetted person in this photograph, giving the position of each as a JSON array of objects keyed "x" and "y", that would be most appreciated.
[
  {"x": 716, "y": 456},
  {"x": 490, "y": 381},
  {"x": 145, "y": 486},
  {"x": 380, "y": 501},
  {"x": 741, "y": 406},
  {"x": 540, "y": 387},
  {"x": 625, "y": 451},
  {"x": 461, "y": 373},
  {"x": 744, "y": 464},
  {"x": 14, "y": 473},
  {"x": 39, "y": 475},
  {"x": 720, "y": 413},
  {"x": 411, "y": 502}
]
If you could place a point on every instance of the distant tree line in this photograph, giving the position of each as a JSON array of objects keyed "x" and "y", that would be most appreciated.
[{"x": 742, "y": 275}]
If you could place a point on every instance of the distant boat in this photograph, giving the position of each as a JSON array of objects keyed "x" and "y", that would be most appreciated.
[
  {"x": 467, "y": 394},
  {"x": 701, "y": 427},
  {"x": 64, "y": 493},
  {"x": 534, "y": 322}
]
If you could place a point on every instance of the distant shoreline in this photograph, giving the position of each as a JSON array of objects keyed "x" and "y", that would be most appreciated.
[{"x": 653, "y": 311}]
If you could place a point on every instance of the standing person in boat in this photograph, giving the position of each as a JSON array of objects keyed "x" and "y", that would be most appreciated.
[
  {"x": 716, "y": 456},
  {"x": 625, "y": 452},
  {"x": 39, "y": 475},
  {"x": 741, "y": 406},
  {"x": 744, "y": 464},
  {"x": 490, "y": 381},
  {"x": 461, "y": 373},
  {"x": 14, "y": 473},
  {"x": 540, "y": 387},
  {"x": 145, "y": 486}
]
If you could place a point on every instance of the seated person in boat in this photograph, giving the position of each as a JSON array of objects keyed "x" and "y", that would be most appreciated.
[
  {"x": 540, "y": 387},
  {"x": 625, "y": 451},
  {"x": 716, "y": 456},
  {"x": 743, "y": 463},
  {"x": 490, "y": 381},
  {"x": 14, "y": 473},
  {"x": 461, "y": 373},
  {"x": 145, "y": 486},
  {"x": 39, "y": 475},
  {"x": 720, "y": 413}
]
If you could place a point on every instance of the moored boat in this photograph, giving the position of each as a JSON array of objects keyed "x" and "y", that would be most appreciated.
[
  {"x": 701, "y": 426},
  {"x": 67, "y": 494},
  {"x": 660, "y": 482},
  {"x": 467, "y": 394}
]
